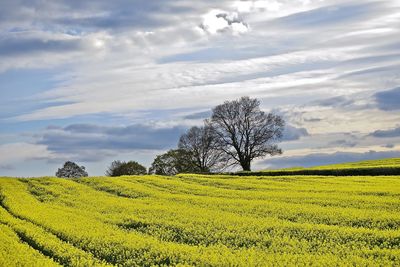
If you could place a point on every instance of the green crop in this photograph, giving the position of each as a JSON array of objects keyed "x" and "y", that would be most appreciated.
[{"x": 201, "y": 220}]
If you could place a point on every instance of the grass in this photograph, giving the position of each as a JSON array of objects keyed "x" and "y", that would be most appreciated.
[{"x": 217, "y": 220}]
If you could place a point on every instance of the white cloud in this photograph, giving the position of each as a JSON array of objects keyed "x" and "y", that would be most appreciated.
[
  {"x": 116, "y": 89},
  {"x": 213, "y": 24},
  {"x": 20, "y": 152},
  {"x": 239, "y": 28},
  {"x": 217, "y": 21}
]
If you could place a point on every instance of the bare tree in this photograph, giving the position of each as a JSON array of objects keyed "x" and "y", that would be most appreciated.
[
  {"x": 200, "y": 142},
  {"x": 244, "y": 132}
]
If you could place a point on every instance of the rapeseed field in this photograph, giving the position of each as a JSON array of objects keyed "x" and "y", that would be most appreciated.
[{"x": 200, "y": 220}]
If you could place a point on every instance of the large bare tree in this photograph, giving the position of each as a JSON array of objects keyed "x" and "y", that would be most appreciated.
[
  {"x": 244, "y": 132},
  {"x": 200, "y": 142}
]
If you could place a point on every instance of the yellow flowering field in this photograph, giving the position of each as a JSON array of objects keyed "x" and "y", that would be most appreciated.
[{"x": 186, "y": 220}]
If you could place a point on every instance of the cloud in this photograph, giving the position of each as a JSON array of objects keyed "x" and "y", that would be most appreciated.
[
  {"x": 292, "y": 133},
  {"x": 62, "y": 27},
  {"x": 388, "y": 100},
  {"x": 43, "y": 50},
  {"x": 343, "y": 143},
  {"x": 312, "y": 119},
  {"x": 262, "y": 63},
  {"x": 338, "y": 101},
  {"x": 16, "y": 45},
  {"x": 336, "y": 141},
  {"x": 89, "y": 142},
  {"x": 212, "y": 83},
  {"x": 86, "y": 16},
  {"x": 217, "y": 21},
  {"x": 325, "y": 158},
  {"x": 389, "y": 146},
  {"x": 386, "y": 133},
  {"x": 258, "y": 5},
  {"x": 12, "y": 153},
  {"x": 330, "y": 15},
  {"x": 198, "y": 115},
  {"x": 140, "y": 61}
]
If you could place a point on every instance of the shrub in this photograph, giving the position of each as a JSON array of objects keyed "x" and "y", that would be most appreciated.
[
  {"x": 118, "y": 168},
  {"x": 71, "y": 170}
]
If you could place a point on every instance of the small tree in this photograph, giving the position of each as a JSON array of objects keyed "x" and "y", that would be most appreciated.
[
  {"x": 173, "y": 162},
  {"x": 118, "y": 168},
  {"x": 200, "y": 142},
  {"x": 115, "y": 165},
  {"x": 243, "y": 132},
  {"x": 71, "y": 170}
]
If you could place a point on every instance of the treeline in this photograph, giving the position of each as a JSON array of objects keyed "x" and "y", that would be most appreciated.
[
  {"x": 236, "y": 133},
  {"x": 166, "y": 167}
]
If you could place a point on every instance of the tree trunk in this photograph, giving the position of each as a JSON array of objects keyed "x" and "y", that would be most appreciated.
[{"x": 245, "y": 165}]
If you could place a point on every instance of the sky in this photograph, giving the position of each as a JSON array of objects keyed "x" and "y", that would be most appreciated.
[{"x": 97, "y": 81}]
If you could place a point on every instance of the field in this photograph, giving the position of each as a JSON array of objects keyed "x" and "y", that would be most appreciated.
[
  {"x": 201, "y": 220},
  {"x": 367, "y": 167},
  {"x": 376, "y": 163}
]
